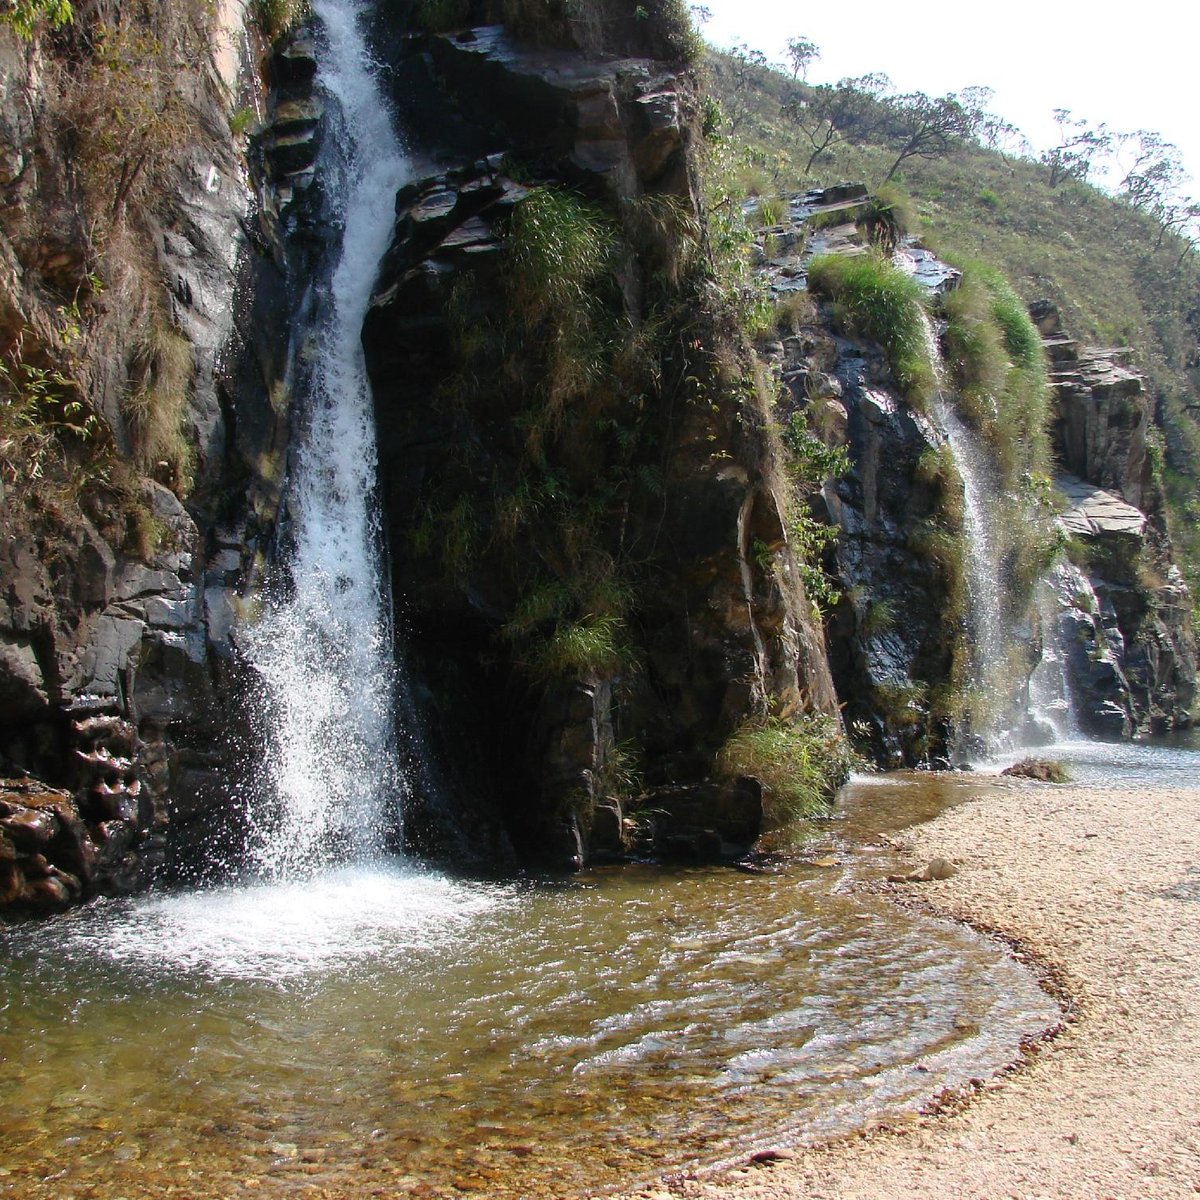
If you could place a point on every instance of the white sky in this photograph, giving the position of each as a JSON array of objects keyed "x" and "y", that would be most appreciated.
[{"x": 1133, "y": 66}]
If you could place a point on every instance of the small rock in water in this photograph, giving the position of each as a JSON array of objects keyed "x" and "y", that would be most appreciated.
[{"x": 1041, "y": 769}]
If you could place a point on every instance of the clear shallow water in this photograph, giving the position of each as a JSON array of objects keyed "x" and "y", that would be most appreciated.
[
  {"x": 1165, "y": 762},
  {"x": 388, "y": 1027}
]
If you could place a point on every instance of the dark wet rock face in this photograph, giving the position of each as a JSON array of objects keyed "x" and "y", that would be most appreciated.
[
  {"x": 98, "y": 634},
  {"x": 618, "y": 119},
  {"x": 718, "y": 619},
  {"x": 887, "y": 630}
]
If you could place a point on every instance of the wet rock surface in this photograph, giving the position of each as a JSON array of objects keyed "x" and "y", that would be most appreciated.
[
  {"x": 887, "y": 637},
  {"x": 713, "y": 628},
  {"x": 96, "y": 625},
  {"x": 620, "y": 120},
  {"x": 1123, "y": 607}
]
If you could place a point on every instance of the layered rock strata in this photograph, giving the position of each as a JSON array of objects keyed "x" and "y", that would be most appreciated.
[{"x": 1124, "y": 609}]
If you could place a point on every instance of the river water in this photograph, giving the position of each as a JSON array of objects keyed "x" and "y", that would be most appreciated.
[
  {"x": 395, "y": 1027},
  {"x": 504, "y": 1038}
]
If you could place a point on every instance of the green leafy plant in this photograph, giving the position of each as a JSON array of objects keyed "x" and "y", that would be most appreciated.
[
  {"x": 42, "y": 416},
  {"x": 276, "y": 17},
  {"x": 880, "y": 617},
  {"x": 25, "y": 16},
  {"x": 771, "y": 210},
  {"x": 886, "y": 217},
  {"x": 730, "y": 239},
  {"x": 799, "y": 762},
  {"x": 902, "y": 703},
  {"x": 241, "y": 120},
  {"x": 810, "y": 460}
]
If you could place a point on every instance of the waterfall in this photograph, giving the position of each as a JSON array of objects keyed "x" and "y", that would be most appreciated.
[
  {"x": 985, "y": 590},
  {"x": 1049, "y": 685},
  {"x": 323, "y": 646},
  {"x": 991, "y": 639}
]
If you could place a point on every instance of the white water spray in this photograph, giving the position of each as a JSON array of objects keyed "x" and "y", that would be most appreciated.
[
  {"x": 1049, "y": 685},
  {"x": 324, "y": 650}
]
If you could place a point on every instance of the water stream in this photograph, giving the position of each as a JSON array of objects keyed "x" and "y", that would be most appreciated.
[
  {"x": 323, "y": 646},
  {"x": 985, "y": 590},
  {"x": 1050, "y": 699},
  {"x": 991, "y": 638},
  {"x": 389, "y": 1028}
]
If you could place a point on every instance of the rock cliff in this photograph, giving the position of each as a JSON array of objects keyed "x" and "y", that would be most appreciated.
[
  {"x": 609, "y": 488},
  {"x": 146, "y": 308},
  {"x": 134, "y": 548},
  {"x": 1124, "y": 610}
]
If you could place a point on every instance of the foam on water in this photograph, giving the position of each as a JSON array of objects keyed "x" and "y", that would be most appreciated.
[{"x": 347, "y": 919}]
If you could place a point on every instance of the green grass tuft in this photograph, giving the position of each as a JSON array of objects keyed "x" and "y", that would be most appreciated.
[
  {"x": 800, "y": 763},
  {"x": 876, "y": 300},
  {"x": 590, "y": 646}
]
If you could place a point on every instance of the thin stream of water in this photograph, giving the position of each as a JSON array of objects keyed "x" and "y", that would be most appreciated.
[{"x": 985, "y": 591}]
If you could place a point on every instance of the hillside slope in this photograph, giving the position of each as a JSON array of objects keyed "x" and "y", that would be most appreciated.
[{"x": 1098, "y": 259}]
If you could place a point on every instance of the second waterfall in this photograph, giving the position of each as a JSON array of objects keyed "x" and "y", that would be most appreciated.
[{"x": 323, "y": 645}]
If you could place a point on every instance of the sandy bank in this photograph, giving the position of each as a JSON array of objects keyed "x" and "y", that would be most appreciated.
[{"x": 1105, "y": 886}]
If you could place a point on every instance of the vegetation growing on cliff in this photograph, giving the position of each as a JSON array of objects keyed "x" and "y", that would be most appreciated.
[
  {"x": 875, "y": 299},
  {"x": 996, "y": 359},
  {"x": 574, "y": 382},
  {"x": 26, "y": 16},
  {"x": 1116, "y": 267},
  {"x": 94, "y": 342},
  {"x": 800, "y": 763}
]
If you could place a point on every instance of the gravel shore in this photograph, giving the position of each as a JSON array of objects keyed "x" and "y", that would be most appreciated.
[{"x": 1104, "y": 888}]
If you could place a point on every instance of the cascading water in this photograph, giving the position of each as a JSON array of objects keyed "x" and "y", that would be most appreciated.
[
  {"x": 324, "y": 649},
  {"x": 985, "y": 590},
  {"x": 991, "y": 639},
  {"x": 1049, "y": 685}
]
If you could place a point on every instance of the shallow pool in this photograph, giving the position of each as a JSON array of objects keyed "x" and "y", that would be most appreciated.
[{"x": 391, "y": 1027}]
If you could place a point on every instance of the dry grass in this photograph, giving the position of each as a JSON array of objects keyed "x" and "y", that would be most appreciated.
[{"x": 156, "y": 405}]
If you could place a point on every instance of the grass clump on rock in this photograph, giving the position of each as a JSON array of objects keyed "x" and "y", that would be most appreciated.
[
  {"x": 875, "y": 299},
  {"x": 995, "y": 353},
  {"x": 1041, "y": 769},
  {"x": 800, "y": 763}
]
